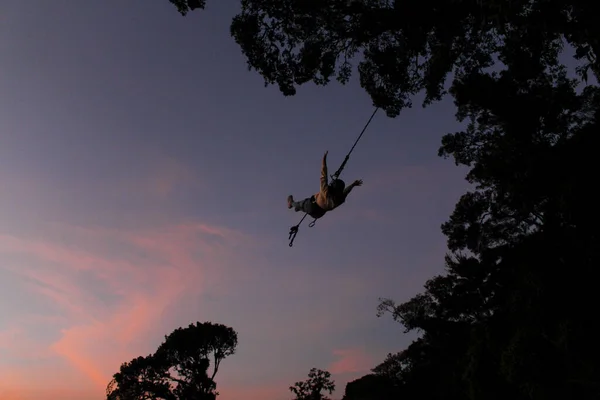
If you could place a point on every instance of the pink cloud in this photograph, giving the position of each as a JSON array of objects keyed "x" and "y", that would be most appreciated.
[
  {"x": 351, "y": 360},
  {"x": 113, "y": 289}
]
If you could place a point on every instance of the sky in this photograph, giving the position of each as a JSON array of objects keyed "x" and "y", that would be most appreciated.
[{"x": 143, "y": 181}]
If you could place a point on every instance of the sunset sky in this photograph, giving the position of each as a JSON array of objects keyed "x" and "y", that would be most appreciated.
[{"x": 143, "y": 181}]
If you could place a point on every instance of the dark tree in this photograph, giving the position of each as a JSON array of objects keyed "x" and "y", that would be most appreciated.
[
  {"x": 311, "y": 389},
  {"x": 184, "y": 6},
  {"x": 372, "y": 387},
  {"x": 391, "y": 367},
  {"x": 179, "y": 369},
  {"x": 513, "y": 316},
  {"x": 406, "y": 46}
]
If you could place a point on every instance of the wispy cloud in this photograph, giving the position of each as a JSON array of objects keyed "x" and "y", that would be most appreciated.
[
  {"x": 111, "y": 289},
  {"x": 351, "y": 360}
]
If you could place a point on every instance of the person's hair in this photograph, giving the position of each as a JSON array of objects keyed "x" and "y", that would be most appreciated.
[{"x": 336, "y": 188}]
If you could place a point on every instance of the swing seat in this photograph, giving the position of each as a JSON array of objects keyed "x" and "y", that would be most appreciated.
[{"x": 315, "y": 211}]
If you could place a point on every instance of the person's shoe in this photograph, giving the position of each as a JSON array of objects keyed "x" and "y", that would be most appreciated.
[{"x": 290, "y": 201}]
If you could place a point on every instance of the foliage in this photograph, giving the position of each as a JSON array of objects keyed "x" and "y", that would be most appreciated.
[
  {"x": 184, "y": 6},
  {"x": 404, "y": 47},
  {"x": 372, "y": 387},
  {"x": 179, "y": 369},
  {"x": 510, "y": 318},
  {"x": 310, "y": 389}
]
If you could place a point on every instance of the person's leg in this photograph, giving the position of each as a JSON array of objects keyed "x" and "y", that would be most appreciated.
[{"x": 302, "y": 205}]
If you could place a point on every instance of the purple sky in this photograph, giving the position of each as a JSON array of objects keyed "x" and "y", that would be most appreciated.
[{"x": 143, "y": 178}]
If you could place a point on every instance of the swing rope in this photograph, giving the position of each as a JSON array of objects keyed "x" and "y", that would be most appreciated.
[{"x": 336, "y": 175}]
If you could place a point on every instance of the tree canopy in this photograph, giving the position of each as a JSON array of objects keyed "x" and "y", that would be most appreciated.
[
  {"x": 511, "y": 317},
  {"x": 179, "y": 369},
  {"x": 318, "y": 381},
  {"x": 403, "y": 47},
  {"x": 372, "y": 387}
]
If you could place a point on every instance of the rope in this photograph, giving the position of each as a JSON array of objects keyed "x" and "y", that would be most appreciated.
[
  {"x": 336, "y": 175},
  {"x": 339, "y": 171}
]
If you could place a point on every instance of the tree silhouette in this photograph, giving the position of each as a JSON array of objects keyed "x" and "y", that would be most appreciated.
[
  {"x": 184, "y": 6},
  {"x": 511, "y": 317},
  {"x": 310, "y": 389},
  {"x": 372, "y": 387},
  {"x": 405, "y": 47},
  {"x": 179, "y": 369}
]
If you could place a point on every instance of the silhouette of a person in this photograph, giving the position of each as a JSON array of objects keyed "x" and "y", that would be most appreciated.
[{"x": 330, "y": 196}]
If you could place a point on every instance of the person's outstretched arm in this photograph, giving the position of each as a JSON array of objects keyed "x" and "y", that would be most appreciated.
[{"x": 349, "y": 188}]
